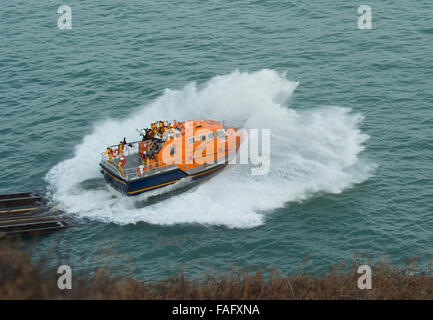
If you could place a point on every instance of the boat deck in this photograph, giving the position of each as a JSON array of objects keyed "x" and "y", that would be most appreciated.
[{"x": 133, "y": 160}]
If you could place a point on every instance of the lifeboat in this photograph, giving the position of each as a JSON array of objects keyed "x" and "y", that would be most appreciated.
[{"x": 169, "y": 152}]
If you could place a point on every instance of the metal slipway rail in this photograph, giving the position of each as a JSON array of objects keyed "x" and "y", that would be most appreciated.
[{"x": 28, "y": 213}]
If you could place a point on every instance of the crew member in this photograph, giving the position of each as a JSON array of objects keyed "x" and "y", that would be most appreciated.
[
  {"x": 162, "y": 130},
  {"x": 147, "y": 135},
  {"x": 109, "y": 151},
  {"x": 121, "y": 145},
  {"x": 120, "y": 166},
  {"x": 180, "y": 126},
  {"x": 176, "y": 125},
  {"x": 162, "y": 127},
  {"x": 154, "y": 131},
  {"x": 142, "y": 149},
  {"x": 146, "y": 160}
]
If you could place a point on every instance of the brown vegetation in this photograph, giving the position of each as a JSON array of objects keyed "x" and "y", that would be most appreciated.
[{"x": 20, "y": 279}]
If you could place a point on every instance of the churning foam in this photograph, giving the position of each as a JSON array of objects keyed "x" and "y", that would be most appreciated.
[{"x": 311, "y": 151}]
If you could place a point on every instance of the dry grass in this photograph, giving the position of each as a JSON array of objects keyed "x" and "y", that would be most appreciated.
[{"x": 19, "y": 279}]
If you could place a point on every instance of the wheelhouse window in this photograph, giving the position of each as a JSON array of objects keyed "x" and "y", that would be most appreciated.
[
  {"x": 210, "y": 135},
  {"x": 191, "y": 140},
  {"x": 202, "y": 138},
  {"x": 173, "y": 150}
]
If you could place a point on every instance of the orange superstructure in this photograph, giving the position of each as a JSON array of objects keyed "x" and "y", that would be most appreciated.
[{"x": 190, "y": 148}]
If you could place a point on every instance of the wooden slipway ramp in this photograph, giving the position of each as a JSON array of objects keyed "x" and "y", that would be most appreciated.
[{"x": 28, "y": 213}]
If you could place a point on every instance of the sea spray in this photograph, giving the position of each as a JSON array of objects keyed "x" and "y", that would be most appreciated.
[{"x": 312, "y": 151}]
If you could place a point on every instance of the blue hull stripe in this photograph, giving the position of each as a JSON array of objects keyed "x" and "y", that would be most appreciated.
[{"x": 153, "y": 182}]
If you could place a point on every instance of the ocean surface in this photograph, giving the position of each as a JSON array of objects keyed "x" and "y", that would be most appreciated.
[{"x": 350, "y": 113}]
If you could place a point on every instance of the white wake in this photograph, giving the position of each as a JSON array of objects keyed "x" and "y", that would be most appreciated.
[{"x": 312, "y": 151}]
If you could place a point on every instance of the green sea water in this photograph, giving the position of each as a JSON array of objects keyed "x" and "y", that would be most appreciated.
[{"x": 350, "y": 113}]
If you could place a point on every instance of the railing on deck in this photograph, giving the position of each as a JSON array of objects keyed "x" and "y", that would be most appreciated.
[{"x": 160, "y": 166}]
